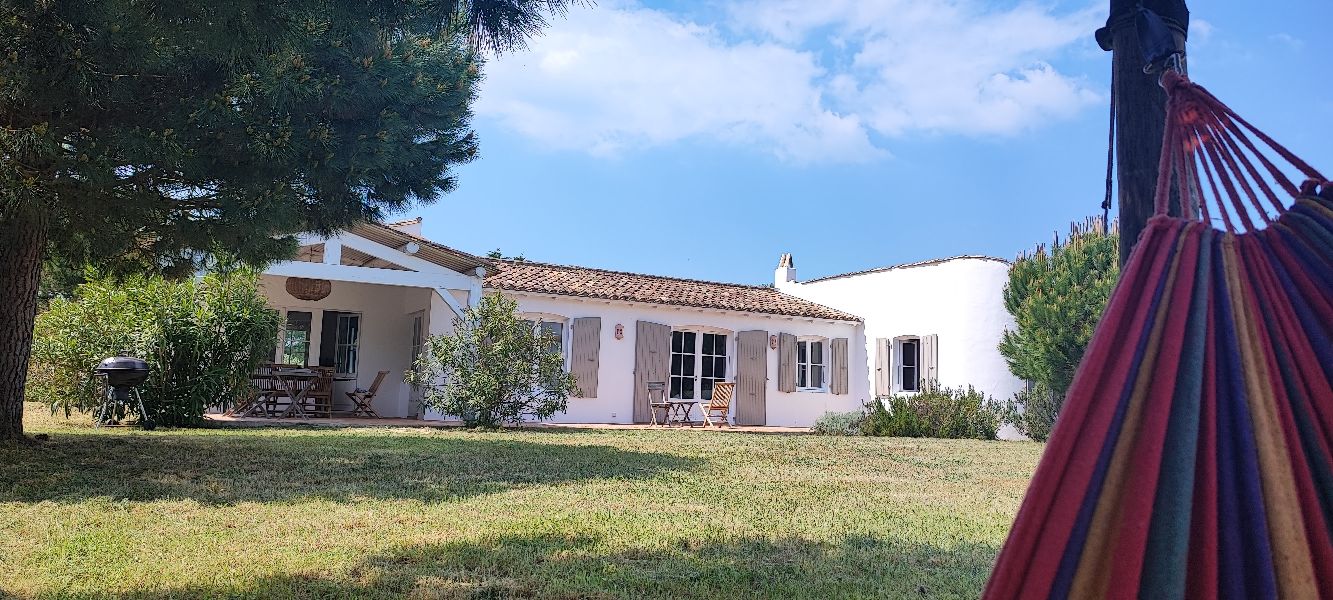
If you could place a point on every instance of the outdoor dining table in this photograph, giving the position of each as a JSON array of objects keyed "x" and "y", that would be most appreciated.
[
  {"x": 679, "y": 411},
  {"x": 297, "y": 383}
]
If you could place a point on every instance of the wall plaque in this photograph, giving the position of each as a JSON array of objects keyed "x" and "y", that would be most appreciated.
[{"x": 309, "y": 289}]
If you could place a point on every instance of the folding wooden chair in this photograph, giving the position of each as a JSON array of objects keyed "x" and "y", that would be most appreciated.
[
  {"x": 362, "y": 398},
  {"x": 719, "y": 404},
  {"x": 657, "y": 400}
]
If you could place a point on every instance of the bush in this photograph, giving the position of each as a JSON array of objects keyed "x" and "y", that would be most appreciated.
[
  {"x": 1056, "y": 298},
  {"x": 838, "y": 423},
  {"x": 937, "y": 413},
  {"x": 494, "y": 368},
  {"x": 202, "y": 338},
  {"x": 1033, "y": 412}
]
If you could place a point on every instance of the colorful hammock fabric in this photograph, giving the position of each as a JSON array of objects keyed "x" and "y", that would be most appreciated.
[{"x": 1192, "y": 457}]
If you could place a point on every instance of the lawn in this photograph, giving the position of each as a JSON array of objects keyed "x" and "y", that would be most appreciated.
[{"x": 353, "y": 513}]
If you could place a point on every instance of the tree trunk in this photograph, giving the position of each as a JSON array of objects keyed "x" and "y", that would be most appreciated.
[
  {"x": 22, "y": 245},
  {"x": 1140, "y": 108}
]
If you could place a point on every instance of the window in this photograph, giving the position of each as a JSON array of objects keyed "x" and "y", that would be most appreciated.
[
  {"x": 339, "y": 339},
  {"x": 553, "y": 330},
  {"x": 345, "y": 344},
  {"x": 909, "y": 364},
  {"x": 811, "y": 364},
  {"x": 295, "y": 348},
  {"x": 698, "y": 360}
]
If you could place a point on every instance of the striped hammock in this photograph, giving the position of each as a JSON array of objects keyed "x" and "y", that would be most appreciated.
[{"x": 1192, "y": 457}]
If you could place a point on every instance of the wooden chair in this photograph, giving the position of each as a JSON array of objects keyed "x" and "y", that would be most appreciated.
[
  {"x": 719, "y": 404},
  {"x": 657, "y": 400},
  {"x": 362, "y": 398},
  {"x": 319, "y": 400},
  {"x": 264, "y": 392}
]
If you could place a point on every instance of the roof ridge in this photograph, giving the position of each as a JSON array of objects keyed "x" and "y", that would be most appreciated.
[
  {"x": 614, "y": 272},
  {"x": 908, "y": 265}
]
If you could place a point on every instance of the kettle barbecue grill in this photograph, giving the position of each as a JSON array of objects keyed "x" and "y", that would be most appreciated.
[{"x": 123, "y": 374}]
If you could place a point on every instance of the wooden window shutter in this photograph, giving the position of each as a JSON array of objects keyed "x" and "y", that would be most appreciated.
[
  {"x": 786, "y": 362},
  {"x": 838, "y": 385},
  {"x": 930, "y": 359},
  {"x": 883, "y": 367},
  {"x": 585, "y": 348}
]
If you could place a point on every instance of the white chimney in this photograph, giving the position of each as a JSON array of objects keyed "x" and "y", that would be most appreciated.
[{"x": 786, "y": 271}]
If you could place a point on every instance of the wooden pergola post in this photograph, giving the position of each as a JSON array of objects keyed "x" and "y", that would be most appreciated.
[{"x": 1140, "y": 105}]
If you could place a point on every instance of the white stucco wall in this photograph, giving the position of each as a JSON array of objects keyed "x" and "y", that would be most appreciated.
[
  {"x": 615, "y": 390},
  {"x": 960, "y": 300},
  {"x": 385, "y": 339}
]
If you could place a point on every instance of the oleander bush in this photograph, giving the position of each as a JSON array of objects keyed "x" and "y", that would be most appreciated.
[{"x": 202, "y": 338}]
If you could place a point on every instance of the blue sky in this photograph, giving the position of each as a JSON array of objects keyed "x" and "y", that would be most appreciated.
[{"x": 703, "y": 139}]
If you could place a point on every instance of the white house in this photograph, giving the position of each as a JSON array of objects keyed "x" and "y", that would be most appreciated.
[
  {"x": 792, "y": 359},
  {"x": 363, "y": 300},
  {"x": 939, "y": 320}
]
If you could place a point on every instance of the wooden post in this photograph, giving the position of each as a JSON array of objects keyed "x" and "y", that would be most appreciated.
[{"x": 1140, "y": 105}]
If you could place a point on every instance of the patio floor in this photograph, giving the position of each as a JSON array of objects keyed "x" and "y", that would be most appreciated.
[{"x": 397, "y": 422}]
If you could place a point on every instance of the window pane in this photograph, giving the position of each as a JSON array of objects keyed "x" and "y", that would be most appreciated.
[
  {"x": 817, "y": 376},
  {"x": 707, "y": 368},
  {"x": 675, "y": 387},
  {"x": 688, "y": 342},
  {"x": 720, "y": 367},
  {"x": 676, "y": 337},
  {"x": 687, "y": 368},
  {"x": 816, "y": 353},
  {"x": 801, "y": 376},
  {"x": 675, "y": 364},
  {"x": 909, "y": 379},
  {"x": 909, "y": 353},
  {"x": 706, "y": 390},
  {"x": 801, "y": 352}
]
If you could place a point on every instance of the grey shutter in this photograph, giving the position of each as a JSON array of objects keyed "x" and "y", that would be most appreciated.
[
  {"x": 652, "y": 362},
  {"x": 838, "y": 383},
  {"x": 883, "y": 367},
  {"x": 930, "y": 358},
  {"x": 585, "y": 346},
  {"x": 786, "y": 362},
  {"x": 751, "y": 377}
]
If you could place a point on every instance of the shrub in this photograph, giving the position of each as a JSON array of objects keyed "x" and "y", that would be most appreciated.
[
  {"x": 1056, "y": 298},
  {"x": 838, "y": 423},
  {"x": 1033, "y": 412},
  {"x": 202, "y": 339},
  {"x": 494, "y": 368},
  {"x": 935, "y": 412}
]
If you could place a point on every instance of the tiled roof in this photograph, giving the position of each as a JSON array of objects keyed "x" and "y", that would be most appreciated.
[
  {"x": 923, "y": 263},
  {"x": 527, "y": 276}
]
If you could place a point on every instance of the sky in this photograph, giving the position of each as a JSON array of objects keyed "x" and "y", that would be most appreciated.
[{"x": 703, "y": 139}]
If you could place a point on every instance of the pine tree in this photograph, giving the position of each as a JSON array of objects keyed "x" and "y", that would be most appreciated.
[{"x": 147, "y": 136}]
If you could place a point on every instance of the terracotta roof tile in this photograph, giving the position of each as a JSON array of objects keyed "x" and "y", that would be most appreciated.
[{"x": 527, "y": 276}]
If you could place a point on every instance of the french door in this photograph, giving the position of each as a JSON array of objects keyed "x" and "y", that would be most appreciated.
[{"x": 698, "y": 360}]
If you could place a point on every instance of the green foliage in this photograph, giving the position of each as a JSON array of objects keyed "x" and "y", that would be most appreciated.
[
  {"x": 838, "y": 423},
  {"x": 1056, "y": 299},
  {"x": 1033, "y": 412},
  {"x": 202, "y": 338},
  {"x": 494, "y": 368},
  {"x": 935, "y": 412}
]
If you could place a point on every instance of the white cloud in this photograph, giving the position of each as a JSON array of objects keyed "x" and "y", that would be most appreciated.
[{"x": 805, "y": 81}]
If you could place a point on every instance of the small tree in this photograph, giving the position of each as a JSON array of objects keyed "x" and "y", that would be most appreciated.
[
  {"x": 494, "y": 368},
  {"x": 1056, "y": 298}
]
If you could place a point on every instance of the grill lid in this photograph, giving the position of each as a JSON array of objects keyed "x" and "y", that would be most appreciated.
[{"x": 122, "y": 363}]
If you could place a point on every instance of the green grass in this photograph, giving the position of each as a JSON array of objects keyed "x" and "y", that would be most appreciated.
[{"x": 352, "y": 513}]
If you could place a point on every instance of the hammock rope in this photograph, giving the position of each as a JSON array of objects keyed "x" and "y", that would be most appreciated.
[{"x": 1192, "y": 457}]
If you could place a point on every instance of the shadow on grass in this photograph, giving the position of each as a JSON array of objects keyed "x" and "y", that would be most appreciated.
[
  {"x": 233, "y": 468},
  {"x": 575, "y": 566}
]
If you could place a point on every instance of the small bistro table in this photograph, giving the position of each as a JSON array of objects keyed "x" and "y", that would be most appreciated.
[
  {"x": 297, "y": 383},
  {"x": 679, "y": 411}
]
